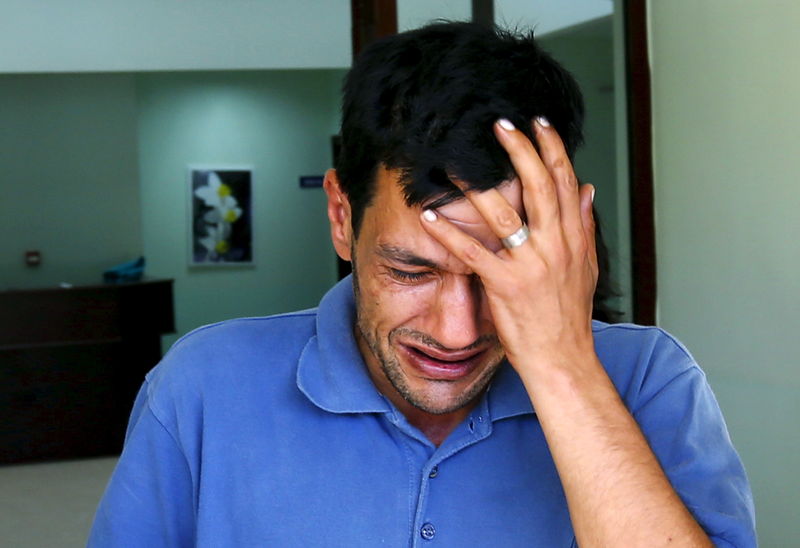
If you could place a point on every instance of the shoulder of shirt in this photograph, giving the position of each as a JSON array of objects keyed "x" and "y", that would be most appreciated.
[
  {"x": 640, "y": 335},
  {"x": 275, "y": 325},
  {"x": 642, "y": 360},
  {"x": 247, "y": 346}
]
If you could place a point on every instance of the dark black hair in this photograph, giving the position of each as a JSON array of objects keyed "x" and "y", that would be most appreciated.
[{"x": 424, "y": 101}]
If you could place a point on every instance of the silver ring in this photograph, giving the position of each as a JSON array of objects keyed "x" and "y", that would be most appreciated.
[{"x": 516, "y": 239}]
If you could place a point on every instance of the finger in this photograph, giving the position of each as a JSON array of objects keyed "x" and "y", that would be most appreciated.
[
  {"x": 586, "y": 197},
  {"x": 555, "y": 158},
  {"x": 496, "y": 210},
  {"x": 463, "y": 246},
  {"x": 539, "y": 194}
]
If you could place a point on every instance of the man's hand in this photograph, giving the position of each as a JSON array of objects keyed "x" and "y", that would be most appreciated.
[
  {"x": 540, "y": 296},
  {"x": 540, "y": 293}
]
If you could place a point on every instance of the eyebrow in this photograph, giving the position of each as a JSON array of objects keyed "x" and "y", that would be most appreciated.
[{"x": 404, "y": 256}]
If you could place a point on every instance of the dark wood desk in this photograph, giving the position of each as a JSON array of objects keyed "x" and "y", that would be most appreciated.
[{"x": 71, "y": 363}]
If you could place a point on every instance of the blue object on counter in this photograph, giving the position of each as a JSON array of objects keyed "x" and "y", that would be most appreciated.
[{"x": 132, "y": 271}]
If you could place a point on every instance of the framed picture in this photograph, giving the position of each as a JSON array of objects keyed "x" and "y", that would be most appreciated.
[{"x": 220, "y": 215}]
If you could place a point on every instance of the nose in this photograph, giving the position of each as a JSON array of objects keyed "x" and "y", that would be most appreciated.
[{"x": 455, "y": 318}]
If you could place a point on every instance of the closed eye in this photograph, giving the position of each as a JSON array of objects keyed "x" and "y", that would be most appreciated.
[{"x": 404, "y": 276}]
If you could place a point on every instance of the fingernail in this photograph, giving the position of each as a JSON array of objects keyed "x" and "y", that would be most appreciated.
[
  {"x": 429, "y": 215},
  {"x": 542, "y": 121},
  {"x": 506, "y": 124},
  {"x": 592, "y": 194}
]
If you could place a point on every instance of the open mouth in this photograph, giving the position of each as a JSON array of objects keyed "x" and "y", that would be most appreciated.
[{"x": 439, "y": 365}]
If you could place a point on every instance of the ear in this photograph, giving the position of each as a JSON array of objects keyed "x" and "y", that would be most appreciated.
[{"x": 338, "y": 214}]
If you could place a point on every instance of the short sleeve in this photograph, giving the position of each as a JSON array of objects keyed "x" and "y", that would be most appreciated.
[
  {"x": 149, "y": 500},
  {"x": 682, "y": 421}
]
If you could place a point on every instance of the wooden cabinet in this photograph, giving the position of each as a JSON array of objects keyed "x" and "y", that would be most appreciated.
[{"x": 71, "y": 363}]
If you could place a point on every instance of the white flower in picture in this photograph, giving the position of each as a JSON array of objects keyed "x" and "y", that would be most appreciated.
[
  {"x": 221, "y": 219},
  {"x": 223, "y": 215},
  {"x": 217, "y": 195},
  {"x": 216, "y": 240}
]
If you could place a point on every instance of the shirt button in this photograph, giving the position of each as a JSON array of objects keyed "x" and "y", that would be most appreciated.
[
  {"x": 428, "y": 531},
  {"x": 434, "y": 472}
]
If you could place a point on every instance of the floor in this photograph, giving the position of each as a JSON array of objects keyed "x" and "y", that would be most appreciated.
[{"x": 50, "y": 504}]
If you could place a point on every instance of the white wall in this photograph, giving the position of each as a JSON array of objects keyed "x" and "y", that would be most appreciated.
[
  {"x": 68, "y": 177},
  {"x": 134, "y": 35},
  {"x": 412, "y": 14},
  {"x": 278, "y": 122},
  {"x": 725, "y": 109}
]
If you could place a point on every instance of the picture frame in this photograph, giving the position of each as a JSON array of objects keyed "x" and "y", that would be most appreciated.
[{"x": 220, "y": 215}]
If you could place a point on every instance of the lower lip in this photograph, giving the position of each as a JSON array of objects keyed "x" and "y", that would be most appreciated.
[{"x": 439, "y": 370}]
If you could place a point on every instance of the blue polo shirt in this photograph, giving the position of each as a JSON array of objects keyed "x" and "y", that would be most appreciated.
[{"x": 269, "y": 432}]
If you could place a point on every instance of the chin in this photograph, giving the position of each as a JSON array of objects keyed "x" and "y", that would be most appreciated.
[{"x": 442, "y": 396}]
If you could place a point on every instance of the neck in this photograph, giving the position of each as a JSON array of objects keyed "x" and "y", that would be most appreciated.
[{"x": 435, "y": 427}]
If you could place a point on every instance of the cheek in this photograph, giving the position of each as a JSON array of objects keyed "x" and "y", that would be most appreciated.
[{"x": 393, "y": 305}]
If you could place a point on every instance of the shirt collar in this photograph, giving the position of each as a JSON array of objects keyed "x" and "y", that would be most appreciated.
[
  {"x": 332, "y": 374},
  {"x": 507, "y": 395},
  {"x": 331, "y": 371}
]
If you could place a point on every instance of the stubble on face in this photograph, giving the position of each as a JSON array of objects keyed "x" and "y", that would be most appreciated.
[{"x": 392, "y": 370}]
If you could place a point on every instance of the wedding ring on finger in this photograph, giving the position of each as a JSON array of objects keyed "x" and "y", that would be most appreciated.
[{"x": 517, "y": 238}]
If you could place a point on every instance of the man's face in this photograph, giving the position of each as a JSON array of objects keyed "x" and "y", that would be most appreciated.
[{"x": 424, "y": 325}]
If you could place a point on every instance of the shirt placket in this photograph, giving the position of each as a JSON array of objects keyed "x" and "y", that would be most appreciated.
[{"x": 429, "y": 524}]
